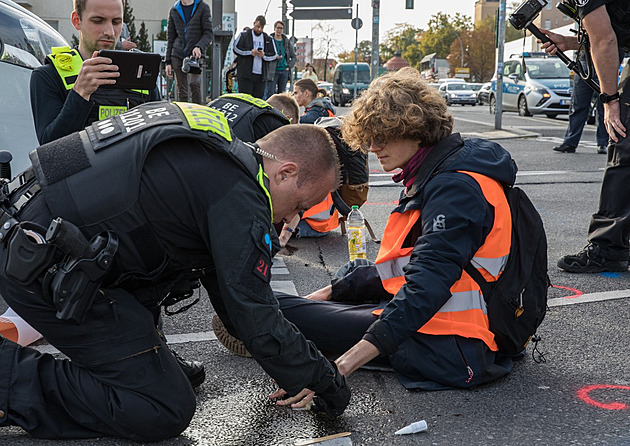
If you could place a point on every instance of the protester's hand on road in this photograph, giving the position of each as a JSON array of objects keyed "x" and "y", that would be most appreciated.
[
  {"x": 95, "y": 72},
  {"x": 321, "y": 294},
  {"x": 169, "y": 70},
  {"x": 304, "y": 399},
  {"x": 612, "y": 120}
]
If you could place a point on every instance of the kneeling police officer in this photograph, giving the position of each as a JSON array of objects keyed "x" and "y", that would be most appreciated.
[{"x": 109, "y": 223}]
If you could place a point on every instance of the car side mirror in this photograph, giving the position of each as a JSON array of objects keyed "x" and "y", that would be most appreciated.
[{"x": 514, "y": 77}]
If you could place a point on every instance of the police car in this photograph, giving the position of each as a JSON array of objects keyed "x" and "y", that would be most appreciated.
[
  {"x": 534, "y": 83},
  {"x": 25, "y": 40}
]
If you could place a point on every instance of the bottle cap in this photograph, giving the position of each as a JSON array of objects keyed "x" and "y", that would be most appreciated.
[{"x": 354, "y": 207}]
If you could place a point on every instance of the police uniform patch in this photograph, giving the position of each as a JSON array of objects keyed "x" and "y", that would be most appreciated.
[{"x": 262, "y": 268}]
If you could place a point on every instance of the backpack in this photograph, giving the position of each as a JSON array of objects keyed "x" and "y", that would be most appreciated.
[{"x": 517, "y": 301}]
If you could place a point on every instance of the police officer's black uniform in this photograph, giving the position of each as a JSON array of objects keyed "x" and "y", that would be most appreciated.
[{"x": 145, "y": 176}]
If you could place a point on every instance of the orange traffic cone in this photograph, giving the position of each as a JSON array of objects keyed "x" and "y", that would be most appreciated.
[{"x": 14, "y": 328}]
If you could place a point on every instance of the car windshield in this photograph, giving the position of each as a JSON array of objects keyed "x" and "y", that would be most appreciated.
[
  {"x": 457, "y": 86},
  {"x": 362, "y": 77},
  {"x": 547, "y": 69},
  {"x": 24, "y": 41},
  {"x": 474, "y": 87}
]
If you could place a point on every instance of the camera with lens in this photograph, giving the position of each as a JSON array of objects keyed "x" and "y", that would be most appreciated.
[
  {"x": 526, "y": 13},
  {"x": 190, "y": 62}
]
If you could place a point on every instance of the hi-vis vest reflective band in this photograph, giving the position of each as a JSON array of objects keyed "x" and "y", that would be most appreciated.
[
  {"x": 465, "y": 313},
  {"x": 68, "y": 63},
  {"x": 318, "y": 217}
]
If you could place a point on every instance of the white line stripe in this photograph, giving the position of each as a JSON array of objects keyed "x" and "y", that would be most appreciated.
[{"x": 591, "y": 297}]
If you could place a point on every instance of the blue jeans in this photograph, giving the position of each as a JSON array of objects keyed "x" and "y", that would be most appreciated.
[
  {"x": 278, "y": 85},
  {"x": 580, "y": 107}
]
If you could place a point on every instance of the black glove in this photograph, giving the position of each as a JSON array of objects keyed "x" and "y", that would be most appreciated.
[{"x": 335, "y": 398}]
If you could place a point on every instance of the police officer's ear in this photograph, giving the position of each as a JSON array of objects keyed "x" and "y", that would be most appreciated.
[
  {"x": 76, "y": 20},
  {"x": 288, "y": 170}
]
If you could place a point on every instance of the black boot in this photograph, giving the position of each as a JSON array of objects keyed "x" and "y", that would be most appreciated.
[{"x": 194, "y": 370}]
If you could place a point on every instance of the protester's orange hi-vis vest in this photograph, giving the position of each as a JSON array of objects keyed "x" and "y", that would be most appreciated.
[
  {"x": 318, "y": 217},
  {"x": 465, "y": 313}
]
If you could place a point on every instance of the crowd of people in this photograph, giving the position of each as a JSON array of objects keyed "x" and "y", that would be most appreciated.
[{"x": 207, "y": 195}]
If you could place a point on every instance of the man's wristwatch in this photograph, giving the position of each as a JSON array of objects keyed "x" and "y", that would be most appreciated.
[{"x": 606, "y": 98}]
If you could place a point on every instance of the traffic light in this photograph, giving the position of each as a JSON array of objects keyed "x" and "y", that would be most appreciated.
[{"x": 408, "y": 4}]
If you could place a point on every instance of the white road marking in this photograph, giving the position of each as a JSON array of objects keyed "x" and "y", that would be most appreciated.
[{"x": 590, "y": 297}]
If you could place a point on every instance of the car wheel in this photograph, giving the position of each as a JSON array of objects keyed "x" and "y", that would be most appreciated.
[
  {"x": 552, "y": 115},
  {"x": 334, "y": 101},
  {"x": 474, "y": 104},
  {"x": 492, "y": 108},
  {"x": 522, "y": 107}
]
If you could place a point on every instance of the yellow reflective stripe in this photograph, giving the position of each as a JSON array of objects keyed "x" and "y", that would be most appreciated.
[
  {"x": 248, "y": 98},
  {"x": 464, "y": 301},
  {"x": 493, "y": 265},
  {"x": 107, "y": 111},
  {"x": 261, "y": 181},
  {"x": 68, "y": 63},
  {"x": 141, "y": 91},
  {"x": 392, "y": 268},
  {"x": 200, "y": 117}
]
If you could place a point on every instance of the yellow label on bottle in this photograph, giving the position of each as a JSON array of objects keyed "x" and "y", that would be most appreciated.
[{"x": 356, "y": 243}]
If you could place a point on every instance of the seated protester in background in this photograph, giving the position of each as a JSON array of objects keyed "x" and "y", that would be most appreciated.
[
  {"x": 305, "y": 93},
  {"x": 416, "y": 307},
  {"x": 66, "y": 93}
]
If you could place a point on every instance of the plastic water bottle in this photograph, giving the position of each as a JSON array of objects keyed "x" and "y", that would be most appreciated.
[{"x": 356, "y": 234}]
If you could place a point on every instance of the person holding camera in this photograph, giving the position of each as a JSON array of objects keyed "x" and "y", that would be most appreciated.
[
  {"x": 67, "y": 93},
  {"x": 189, "y": 33},
  {"x": 607, "y": 23},
  {"x": 254, "y": 50}
]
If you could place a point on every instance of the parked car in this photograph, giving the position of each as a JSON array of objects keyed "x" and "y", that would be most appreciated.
[
  {"x": 457, "y": 93},
  {"x": 483, "y": 95},
  {"x": 534, "y": 85},
  {"x": 25, "y": 40}
]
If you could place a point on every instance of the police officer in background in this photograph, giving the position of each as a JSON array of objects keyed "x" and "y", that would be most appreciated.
[
  {"x": 607, "y": 23},
  {"x": 65, "y": 93},
  {"x": 184, "y": 199}
]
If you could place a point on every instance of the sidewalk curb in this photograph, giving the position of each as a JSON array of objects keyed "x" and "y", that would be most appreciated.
[{"x": 507, "y": 133}]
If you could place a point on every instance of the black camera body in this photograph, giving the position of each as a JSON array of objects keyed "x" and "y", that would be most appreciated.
[{"x": 526, "y": 13}]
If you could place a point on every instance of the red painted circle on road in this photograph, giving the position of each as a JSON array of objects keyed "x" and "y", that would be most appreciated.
[
  {"x": 583, "y": 394},
  {"x": 575, "y": 292}
]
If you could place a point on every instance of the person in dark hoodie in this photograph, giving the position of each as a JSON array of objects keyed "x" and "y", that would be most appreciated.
[
  {"x": 189, "y": 34},
  {"x": 305, "y": 93},
  {"x": 415, "y": 307}
]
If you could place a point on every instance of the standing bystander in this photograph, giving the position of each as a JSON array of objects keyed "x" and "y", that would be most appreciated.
[
  {"x": 254, "y": 50},
  {"x": 279, "y": 71},
  {"x": 189, "y": 34}
]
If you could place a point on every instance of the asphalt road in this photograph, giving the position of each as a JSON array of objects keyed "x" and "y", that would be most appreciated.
[{"x": 579, "y": 396}]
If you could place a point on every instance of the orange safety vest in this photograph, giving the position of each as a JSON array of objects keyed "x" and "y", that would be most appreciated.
[
  {"x": 465, "y": 313},
  {"x": 318, "y": 217}
]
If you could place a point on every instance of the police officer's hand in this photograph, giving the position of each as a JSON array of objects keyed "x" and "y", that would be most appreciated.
[
  {"x": 335, "y": 398},
  {"x": 95, "y": 72},
  {"x": 612, "y": 121}
]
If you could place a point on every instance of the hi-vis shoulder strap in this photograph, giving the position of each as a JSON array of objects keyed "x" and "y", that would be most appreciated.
[
  {"x": 248, "y": 98},
  {"x": 67, "y": 62}
]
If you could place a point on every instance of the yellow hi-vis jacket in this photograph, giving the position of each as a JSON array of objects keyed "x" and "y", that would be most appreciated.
[{"x": 465, "y": 313}]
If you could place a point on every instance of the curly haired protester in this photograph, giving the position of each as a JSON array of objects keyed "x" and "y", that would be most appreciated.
[{"x": 415, "y": 307}]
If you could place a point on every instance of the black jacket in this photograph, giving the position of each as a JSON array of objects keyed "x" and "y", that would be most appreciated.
[
  {"x": 243, "y": 47},
  {"x": 184, "y": 37}
]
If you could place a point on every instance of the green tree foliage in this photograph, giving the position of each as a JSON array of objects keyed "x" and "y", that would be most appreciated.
[
  {"x": 405, "y": 39},
  {"x": 479, "y": 51},
  {"x": 129, "y": 19},
  {"x": 442, "y": 30},
  {"x": 74, "y": 41},
  {"x": 365, "y": 53},
  {"x": 143, "y": 39}
]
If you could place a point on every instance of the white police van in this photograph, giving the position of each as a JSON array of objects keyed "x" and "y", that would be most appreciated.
[
  {"x": 534, "y": 83},
  {"x": 25, "y": 40}
]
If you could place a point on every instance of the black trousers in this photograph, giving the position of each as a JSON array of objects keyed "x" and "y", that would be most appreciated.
[
  {"x": 121, "y": 380},
  {"x": 254, "y": 85},
  {"x": 423, "y": 362},
  {"x": 610, "y": 226}
]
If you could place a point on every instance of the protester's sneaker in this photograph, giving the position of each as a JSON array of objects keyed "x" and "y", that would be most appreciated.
[
  {"x": 564, "y": 148},
  {"x": 601, "y": 150},
  {"x": 233, "y": 344},
  {"x": 591, "y": 260}
]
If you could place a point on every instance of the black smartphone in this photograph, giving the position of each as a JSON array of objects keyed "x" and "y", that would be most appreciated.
[{"x": 138, "y": 71}]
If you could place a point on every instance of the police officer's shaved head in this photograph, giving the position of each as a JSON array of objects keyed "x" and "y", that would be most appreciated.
[
  {"x": 79, "y": 6},
  {"x": 287, "y": 105},
  {"x": 309, "y": 146}
]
